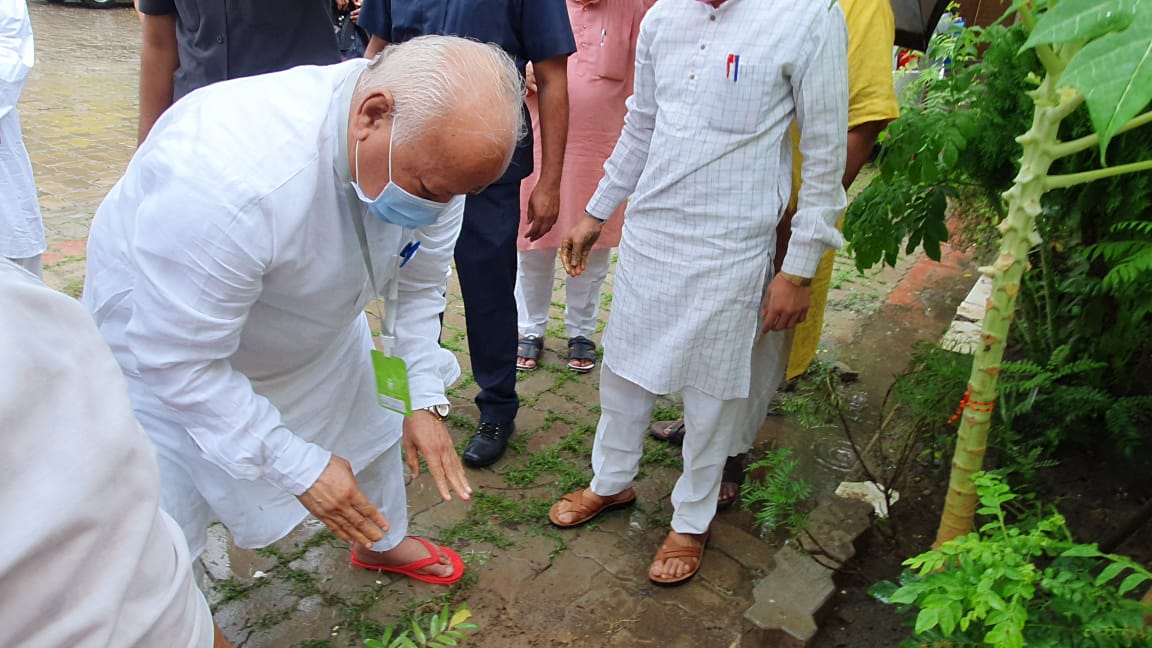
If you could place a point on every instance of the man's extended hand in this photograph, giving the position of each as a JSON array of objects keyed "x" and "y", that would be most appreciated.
[
  {"x": 543, "y": 209},
  {"x": 336, "y": 500},
  {"x": 426, "y": 436},
  {"x": 576, "y": 246},
  {"x": 785, "y": 305}
]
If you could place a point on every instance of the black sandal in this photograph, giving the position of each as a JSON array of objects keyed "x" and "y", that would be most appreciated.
[
  {"x": 733, "y": 474},
  {"x": 581, "y": 348},
  {"x": 529, "y": 348}
]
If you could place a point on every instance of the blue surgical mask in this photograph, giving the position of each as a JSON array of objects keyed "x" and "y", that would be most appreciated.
[{"x": 394, "y": 205}]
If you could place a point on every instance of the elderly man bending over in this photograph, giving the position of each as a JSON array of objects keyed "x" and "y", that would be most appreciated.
[{"x": 230, "y": 267}]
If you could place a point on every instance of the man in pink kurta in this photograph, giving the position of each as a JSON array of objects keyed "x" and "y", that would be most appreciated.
[{"x": 600, "y": 76}]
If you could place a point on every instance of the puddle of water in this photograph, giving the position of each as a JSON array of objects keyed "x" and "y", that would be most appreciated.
[{"x": 831, "y": 450}]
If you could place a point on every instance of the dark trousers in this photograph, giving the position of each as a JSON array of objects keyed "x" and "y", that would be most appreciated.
[{"x": 486, "y": 267}]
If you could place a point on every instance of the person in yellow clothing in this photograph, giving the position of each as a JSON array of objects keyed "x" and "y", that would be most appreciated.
[{"x": 871, "y": 105}]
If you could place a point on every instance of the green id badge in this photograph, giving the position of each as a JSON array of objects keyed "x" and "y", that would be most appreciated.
[{"x": 392, "y": 383}]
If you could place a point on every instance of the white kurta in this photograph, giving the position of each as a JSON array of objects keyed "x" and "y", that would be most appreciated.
[
  {"x": 21, "y": 229},
  {"x": 89, "y": 559},
  {"x": 225, "y": 272},
  {"x": 706, "y": 156}
]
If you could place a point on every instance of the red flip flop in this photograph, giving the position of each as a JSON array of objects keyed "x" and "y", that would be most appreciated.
[{"x": 410, "y": 569}]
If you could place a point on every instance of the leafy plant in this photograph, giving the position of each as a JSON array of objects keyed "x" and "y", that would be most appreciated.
[
  {"x": 443, "y": 629},
  {"x": 1012, "y": 586},
  {"x": 777, "y": 497},
  {"x": 1093, "y": 53}
]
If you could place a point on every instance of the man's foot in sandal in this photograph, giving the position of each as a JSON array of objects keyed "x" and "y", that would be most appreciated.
[
  {"x": 528, "y": 349},
  {"x": 415, "y": 558},
  {"x": 581, "y": 354},
  {"x": 732, "y": 481},
  {"x": 670, "y": 431},
  {"x": 578, "y": 507},
  {"x": 678, "y": 559}
]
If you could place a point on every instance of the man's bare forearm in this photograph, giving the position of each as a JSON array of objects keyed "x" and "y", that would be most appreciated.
[
  {"x": 861, "y": 140},
  {"x": 375, "y": 46},
  {"x": 552, "y": 95},
  {"x": 159, "y": 59}
]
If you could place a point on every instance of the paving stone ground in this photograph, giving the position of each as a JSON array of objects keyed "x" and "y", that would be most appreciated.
[{"x": 528, "y": 584}]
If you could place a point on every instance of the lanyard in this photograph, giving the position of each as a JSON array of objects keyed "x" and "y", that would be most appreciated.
[{"x": 388, "y": 321}]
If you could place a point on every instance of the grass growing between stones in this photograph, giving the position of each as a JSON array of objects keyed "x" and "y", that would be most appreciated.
[{"x": 493, "y": 517}]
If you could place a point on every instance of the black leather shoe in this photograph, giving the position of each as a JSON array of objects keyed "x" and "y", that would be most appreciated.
[{"x": 488, "y": 444}]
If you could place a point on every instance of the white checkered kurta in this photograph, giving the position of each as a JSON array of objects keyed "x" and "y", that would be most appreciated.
[{"x": 705, "y": 154}]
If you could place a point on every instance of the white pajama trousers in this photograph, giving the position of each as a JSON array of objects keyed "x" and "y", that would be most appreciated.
[
  {"x": 714, "y": 430},
  {"x": 381, "y": 481},
  {"x": 535, "y": 277}
]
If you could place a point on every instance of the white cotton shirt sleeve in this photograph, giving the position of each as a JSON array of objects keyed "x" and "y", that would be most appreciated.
[
  {"x": 821, "y": 95},
  {"x": 16, "y": 52},
  {"x": 623, "y": 169},
  {"x": 423, "y": 284},
  {"x": 198, "y": 275}
]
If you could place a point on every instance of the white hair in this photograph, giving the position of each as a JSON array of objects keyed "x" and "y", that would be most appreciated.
[{"x": 430, "y": 75}]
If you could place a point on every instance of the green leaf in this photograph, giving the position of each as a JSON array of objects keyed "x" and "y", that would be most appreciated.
[
  {"x": 1110, "y": 572},
  {"x": 949, "y": 617},
  {"x": 927, "y": 619},
  {"x": 1081, "y": 20},
  {"x": 883, "y": 590},
  {"x": 1081, "y": 551},
  {"x": 374, "y": 643},
  {"x": 1114, "y": 73},
  {"x": 1130, "y": 583},
  {"x": 418, "y": 632}
]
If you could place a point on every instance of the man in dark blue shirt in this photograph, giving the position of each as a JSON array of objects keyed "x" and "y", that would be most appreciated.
[
  {"x": 536, "y": 31},
  {"x": 188, "y": 44}
]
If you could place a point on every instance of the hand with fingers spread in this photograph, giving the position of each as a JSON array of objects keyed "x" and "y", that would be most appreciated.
[
  {"x": 785, "y": 304},
  {"x": 426, "y": 436},
  {"x": 337, "y": 501},
  {"x": 576, "y": 246}
]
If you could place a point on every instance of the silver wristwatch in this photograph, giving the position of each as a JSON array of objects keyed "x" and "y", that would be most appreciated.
[{"x": 440, "y": 410}]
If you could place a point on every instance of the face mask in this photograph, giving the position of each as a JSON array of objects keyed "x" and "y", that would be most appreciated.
[{"x": 394, "y": 205}]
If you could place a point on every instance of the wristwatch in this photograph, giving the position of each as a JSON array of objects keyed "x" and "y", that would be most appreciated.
[
  {"x": 796, "y": 280},
  {"x": 440, "y": 410}
]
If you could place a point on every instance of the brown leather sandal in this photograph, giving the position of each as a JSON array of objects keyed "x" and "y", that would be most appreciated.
[
  {"x": 688, "y": 552},
  {"x": 587, "y": 505}
]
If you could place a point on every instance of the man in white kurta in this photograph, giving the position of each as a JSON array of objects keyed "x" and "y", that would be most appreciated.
[
  {"x": 705, "y": 155},
  {"x": 227, "y": 271},
  {"x": 21, "y": 229},
  {"x": 89, "y": 560}
]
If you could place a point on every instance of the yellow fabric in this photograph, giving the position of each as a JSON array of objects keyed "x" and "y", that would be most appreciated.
[{"x": 871, "y": 97}]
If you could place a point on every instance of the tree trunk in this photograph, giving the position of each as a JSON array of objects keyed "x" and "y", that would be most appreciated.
[{"x": 1018, "y": 231}]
